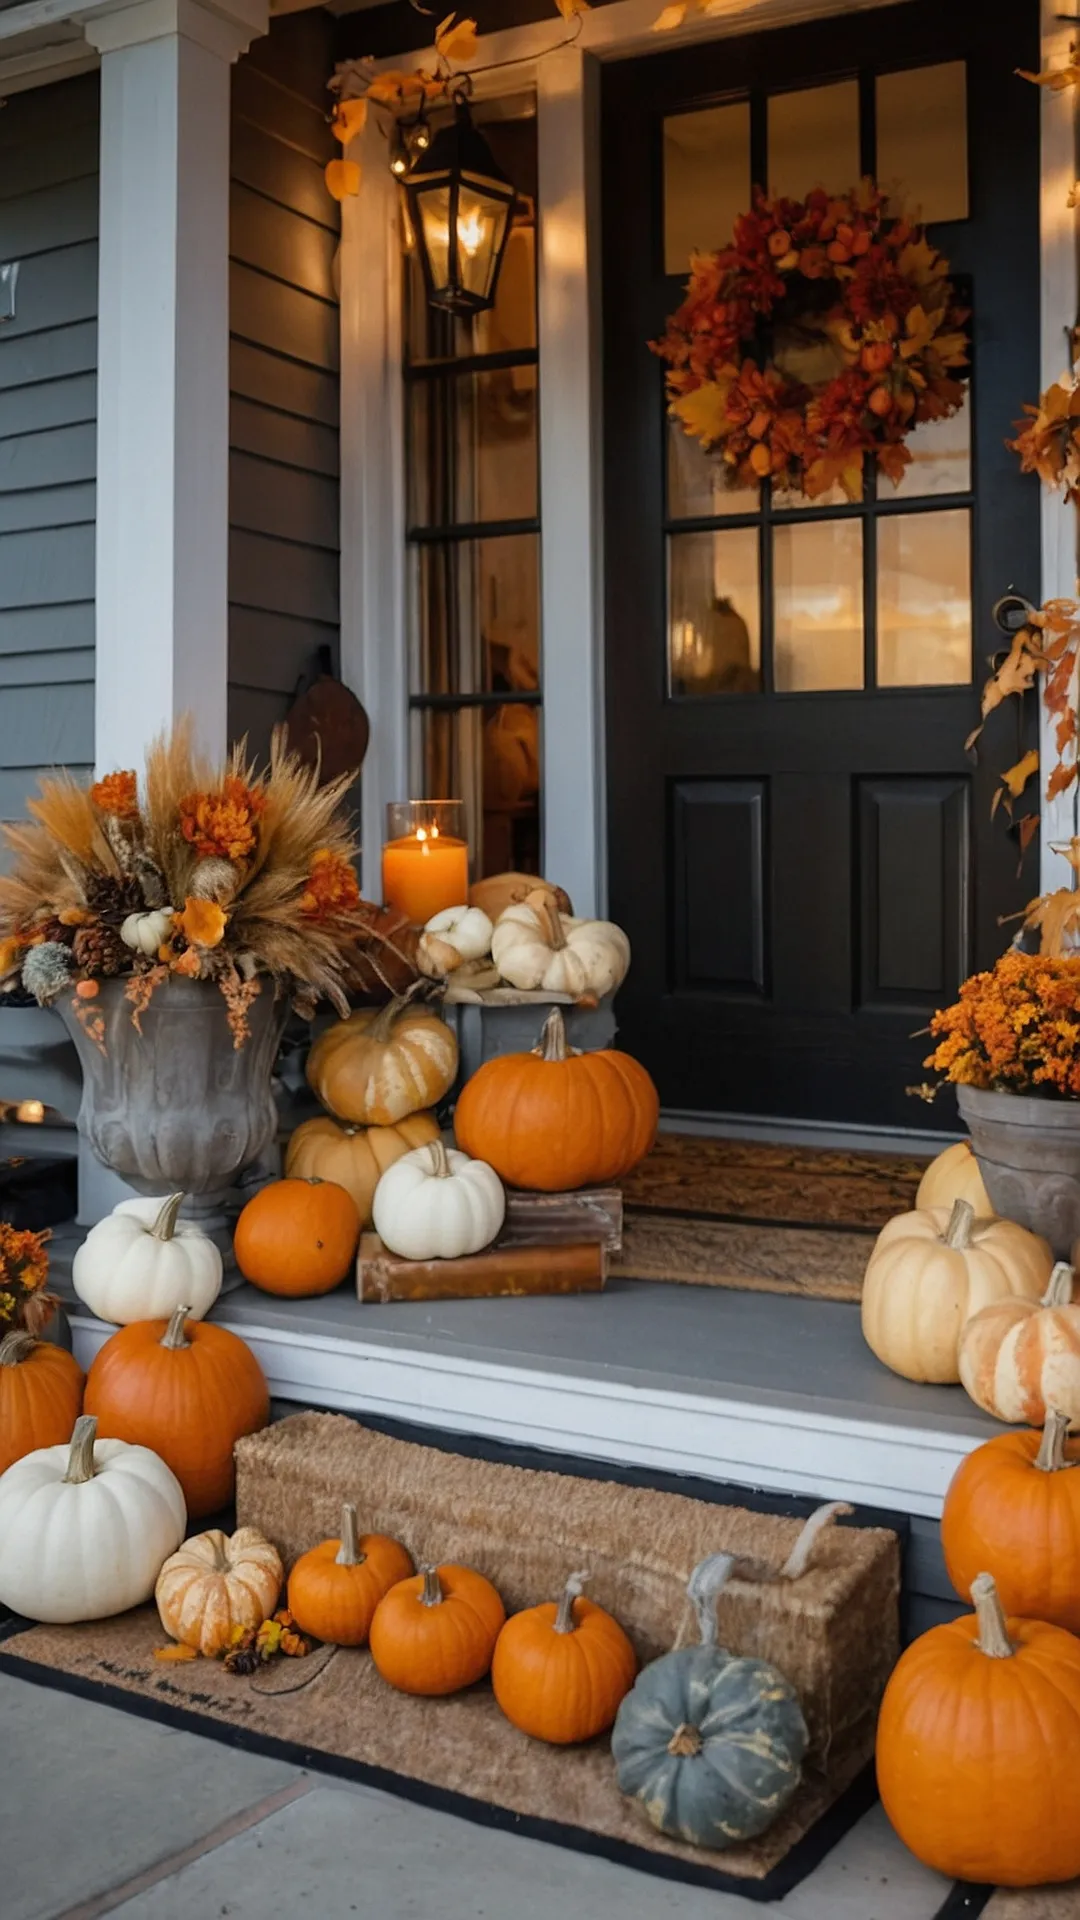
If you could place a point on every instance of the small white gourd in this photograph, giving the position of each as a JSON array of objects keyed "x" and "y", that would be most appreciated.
[
  {"x": 141, "y": 1263},
  {"x": 86, "y": 1528},
  {"x": 455, "y": 936},
  {"x": 437, "y": 1204},
  {"x": 146, "y": 932}
]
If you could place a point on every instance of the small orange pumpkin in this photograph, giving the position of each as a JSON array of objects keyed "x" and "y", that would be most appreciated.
[
  {"x": 1018, "y": 1357},
  {"x": 556, "y": 1118},
  {"x": 297, "y": 1237},
  {"x": 1013, "y": 1507},
  {"x": 189, "y": 1392},
  {"x": 560, "y": 1671},
  {"x": 41, "y": 1393},
  {"x": 335, "y": 1587},
  {"x": 974, "y": 1740},
  {"x": 436, "y": 1633}
]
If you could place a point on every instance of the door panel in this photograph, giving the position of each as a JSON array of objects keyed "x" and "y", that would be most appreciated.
[{"x": 800, "y": 850}]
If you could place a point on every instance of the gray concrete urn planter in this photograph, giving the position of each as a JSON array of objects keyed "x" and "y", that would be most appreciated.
[
  {"x": 1028, "y": 1152},
  {"x": 177, "y": 1107}
]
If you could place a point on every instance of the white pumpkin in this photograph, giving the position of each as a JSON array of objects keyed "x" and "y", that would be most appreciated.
[
  {"x": 435, "y": 1204},
  {"x": 537, "y": 948},
  {"x": 85, "y": 1529},
  {"x": 455, "y": 936},
  {"x": 146, "y": 932},
  {"x": 141, "y": 1263}
]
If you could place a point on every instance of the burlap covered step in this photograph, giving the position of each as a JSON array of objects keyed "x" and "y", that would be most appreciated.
[{"x": 834, "y": 1631}]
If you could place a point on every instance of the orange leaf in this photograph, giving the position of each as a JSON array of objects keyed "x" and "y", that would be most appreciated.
[
  {"x": 1061, "y": 779},
  {"x": 456, "y": 39},
  {"x": 178, "y": 1653},
  {"x": 342, "y": 179},
  {"x": 1056, "y": 78},
  {"x": 1016, "y": 778},
  {"x": 397, "y": 88},
  {"x": 1027, "y": 827},
  {"x": 704, "y": 412},
  {"x": 671, "y": 18},
  {"x": 348, "y": 120},
  {"x": 202, "y": 922},
  {"x": 571, "y": 8}
]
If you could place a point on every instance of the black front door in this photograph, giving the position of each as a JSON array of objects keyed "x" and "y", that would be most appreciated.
[{"x": 799, "y": 847}]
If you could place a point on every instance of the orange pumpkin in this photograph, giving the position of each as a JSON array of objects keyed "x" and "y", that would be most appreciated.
[
  {"x": 41, "y": 1393},
  {"x": 189, "y": 1392},
  {"x": 436, "y": 1633},
  {"x": 297, "y": 1237},
  {"x": 977, "y": 1733},
  {"x": 356, "y": 1157},
  {"x": 335, "y": 1587},
  {"x": 1014, "y": 1508},
  {"x": 556, "y": 1118},
  {"x": 377, "y": 1067},
  {"x": 560, "y": 1671},
  {"x": 1018, "y": 1357}
]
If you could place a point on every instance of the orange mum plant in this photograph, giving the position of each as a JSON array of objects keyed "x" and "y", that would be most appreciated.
[
  {"x": 235, "y": 875},
  {"x": 1015, "y": 1029}
]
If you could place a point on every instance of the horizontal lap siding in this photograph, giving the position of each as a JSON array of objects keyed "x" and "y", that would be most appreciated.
[
  {"x": 283, "y": 466},
  {"x": 49, "y": 141}
]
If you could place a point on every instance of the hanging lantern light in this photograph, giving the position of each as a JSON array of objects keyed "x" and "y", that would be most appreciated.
[{"x": 460, "y": 206}]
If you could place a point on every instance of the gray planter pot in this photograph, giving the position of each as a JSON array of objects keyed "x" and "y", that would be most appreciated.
[
  {"x": 484, "y": 1031},
  {"x": 1028, "y": 1152},
  {"x": 177, "y": 1107}
]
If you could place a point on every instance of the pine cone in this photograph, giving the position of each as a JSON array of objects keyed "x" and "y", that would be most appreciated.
[
  {"x": 113, "y": 898},
  {"x": 98, "y": 949}
]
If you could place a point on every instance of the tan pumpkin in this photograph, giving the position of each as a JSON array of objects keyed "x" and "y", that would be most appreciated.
[
  {"x": 1020, "y": 1357},
  {"x": 929, "y": 1272},
  {"x": 502, "y": 890},
  {"x": 378, "y": 1067},
  {"x": 355, "y": 1157},
  {"x": 954, "y": 1175},
  {"x": 217, "y": 1581}
]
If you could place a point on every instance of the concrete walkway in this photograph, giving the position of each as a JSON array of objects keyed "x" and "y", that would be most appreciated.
[{"x": 102, "y": 1813}]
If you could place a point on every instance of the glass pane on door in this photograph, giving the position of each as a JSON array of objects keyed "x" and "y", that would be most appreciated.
[
  {"x": 818, "y": 606},
  {"x": 714, "y": 622},
  {"x": 706, "y": 179},
  {"x": 922, "y": 141},
  {"x": 924, "y": 599},
  {"x": 814, "y": 139}
]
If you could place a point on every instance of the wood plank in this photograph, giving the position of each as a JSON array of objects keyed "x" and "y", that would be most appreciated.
[
  {"x": 51, "y": 459},
  {"x": 269, "y": 651},
  {"x": 70, "y": 506},
  {"x": 282, "y": 243},
  {"x": 40, "y": 629},
  {"x": 283, "y": 578},
  {"x": 48, "y": 403},
  {"x": 496, "y": 1274},
  {"x": 283, "y": 502},
  {"x": 64, "y": 667},
  {"x": 594, "y": 1214},
  {"x": 51, "y": 355},
  {"x": 305, "y": 444},
  {"x": 47, "y": 726},
  {"x": 260, "y": 160},
  {"x": 252, "y": 716},
  {"x": 299, "y": 52},
  {"x": 284, "y": 318},
  {"x": 58, "y": 216},
  {"x": 55, "y": 288},
  {"x": 302, "y": 123},
  {"x": 255, "y": 374},
  {"x": 60, "y": 109},
  {"x": 46, "y": 568},
  {"x": 47, "y": 161}
]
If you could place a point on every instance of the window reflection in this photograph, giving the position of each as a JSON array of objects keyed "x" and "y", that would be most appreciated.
[
  {"x": 818, "y": 586},
  {"x": 714, "y": 622}
]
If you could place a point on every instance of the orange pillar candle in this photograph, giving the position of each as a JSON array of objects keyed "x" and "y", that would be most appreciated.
[{"x": 425, "y": 864}]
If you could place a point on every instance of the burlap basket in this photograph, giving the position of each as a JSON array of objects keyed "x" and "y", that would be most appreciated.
[{"x": 834, "y": 1630}]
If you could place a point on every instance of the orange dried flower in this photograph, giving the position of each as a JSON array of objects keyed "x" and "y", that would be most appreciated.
[
  {"x": 24, "y": 1269},
  {"x": 87, "y": 990},
  {"x": 188, "y": 963},
  {"x": 223, "y": 823},
  {"x": 332, "y": 886},
  {"x": 202, "y": 922},
  {"x": 177, "y": 1653},
  {"x": 1015, "y": 1029},
  {"x": 118, "y": 794}
]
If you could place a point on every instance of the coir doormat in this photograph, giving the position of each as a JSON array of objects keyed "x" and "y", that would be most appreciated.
[{"x": 739, "y": 1213}]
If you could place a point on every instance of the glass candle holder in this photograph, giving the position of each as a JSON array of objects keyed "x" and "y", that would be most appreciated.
[{"x": 425, "y": 862}]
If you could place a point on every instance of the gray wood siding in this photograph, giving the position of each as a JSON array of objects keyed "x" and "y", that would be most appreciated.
[
  {"x": 48, "y": 382},
  {"x": 283, "y": 465}
]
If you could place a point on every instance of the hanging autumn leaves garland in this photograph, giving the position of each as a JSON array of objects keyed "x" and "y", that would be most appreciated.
[{"x": 824, "y": 332}]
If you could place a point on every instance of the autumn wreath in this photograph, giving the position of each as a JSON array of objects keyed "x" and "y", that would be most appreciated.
[{"x": 826, "y": 331}]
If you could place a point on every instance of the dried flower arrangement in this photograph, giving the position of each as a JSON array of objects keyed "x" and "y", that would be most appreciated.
[
  {"x": 225, "y": 875},
  {"x": 1015, "y": 1029},
  {"x": 24, "y": 1269}
]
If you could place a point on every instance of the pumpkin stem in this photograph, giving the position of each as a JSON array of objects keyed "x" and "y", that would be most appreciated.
[
  {"x": 164, "y": 1226},
  {"x": 574, "y": 1588},
  {"x": 799, "y": 1558},
  {"x": 431, "y": 1593},
  {"x": 219, "y": 1543},
  {"x": 440, "y": 1163},
  {"x": 993, "y": 1637},
  {"x": 685, "y": 1742},
  {"x": 175, "y": 1334},
  {"x": 703, "y": 1590},
  {"x": 553, "y": 1041},
  {"x": 80, "y": 1466},
  {"x": 542, "y": 904},
  {"x": 1059, "y": 1288},
  {"x": 1049, "y": 1459},
  {"x": 348, "y": 1553},
  {"x": 382, "y": 1027},
  {"x": 961, "y": 1221},
  {"x": 15, "y": 1347}
]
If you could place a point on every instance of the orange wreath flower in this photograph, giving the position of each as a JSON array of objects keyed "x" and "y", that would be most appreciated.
[
  {"x": 223, "y": 823},
  {"x": 825, "y": 332},
  {"x": 118, "y": 795}
]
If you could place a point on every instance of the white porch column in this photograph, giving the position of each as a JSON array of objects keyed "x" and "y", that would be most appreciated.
[{"x": 163, "y": 368}]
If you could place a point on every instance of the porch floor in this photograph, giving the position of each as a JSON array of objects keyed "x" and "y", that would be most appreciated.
[{"x": 759, "y": 1390}]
